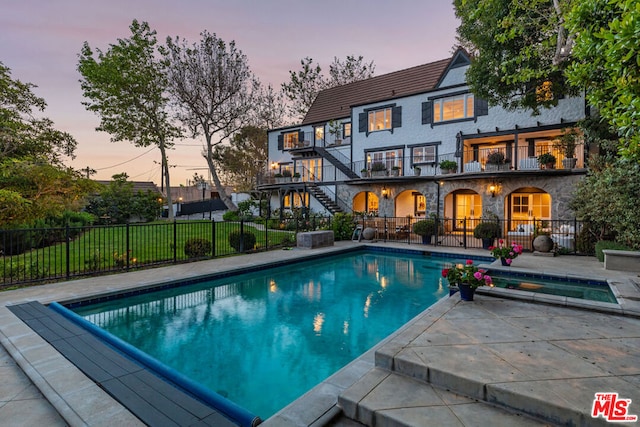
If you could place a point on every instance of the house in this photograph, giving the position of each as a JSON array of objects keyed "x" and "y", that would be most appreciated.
[{"x": 377, "y": 146}]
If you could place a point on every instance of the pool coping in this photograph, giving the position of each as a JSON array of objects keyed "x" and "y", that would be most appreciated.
[{"x": 322, "y": 397}]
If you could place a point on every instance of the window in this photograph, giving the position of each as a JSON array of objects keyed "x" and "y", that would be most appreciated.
[
  {"x": 468, "y": 210},
  {"x": 379, "y": 120},
  {"x": 310, "y": 169},
  {"x": 453, "y": 108},
  {"x": 390, "y": 158},
  {"x": 318, "y": 132},
  {"x": 290, "y": 140},
  {"x": 527, "y": 206},
  {"x": 425, "y": 154},
  {"x": 346, "y": 130},
  {"x": 296, "y": 200}
]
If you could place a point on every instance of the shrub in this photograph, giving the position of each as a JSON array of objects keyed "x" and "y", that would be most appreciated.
[
  {"x": 448, "y": 165},
  {"x": 426, "y": 227},
  {"x": 608, "y": 244},
  {"x": 342, "y": 226},
  {"x": 496, "y": 157},
  {"x": 197, "y": 247},
  {"x": 231, "y": 216},
  {"x": 247, "y": 239},
  {"x": 487, "y": 230}
]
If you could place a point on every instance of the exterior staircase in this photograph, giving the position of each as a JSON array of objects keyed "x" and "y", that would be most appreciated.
[
  {"x": 322, "y": 197},
  {"x": 337, "y": 163}
]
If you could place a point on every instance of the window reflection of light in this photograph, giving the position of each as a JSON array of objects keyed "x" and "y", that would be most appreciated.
[
  {"x": 272, "y": 286},
  {"x": 440, "y": 284},
  {"x": 367, "y": 304},
  {"x": 345, "y": 327},
  {"x": 318, "y": 321},
  {"x": 383, "y": 282}
]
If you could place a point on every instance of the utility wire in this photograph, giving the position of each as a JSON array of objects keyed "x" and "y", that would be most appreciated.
[{"x": 127, "y": 161}]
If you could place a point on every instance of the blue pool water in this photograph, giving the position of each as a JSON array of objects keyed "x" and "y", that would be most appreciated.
[{"x": 263, "y": 339}]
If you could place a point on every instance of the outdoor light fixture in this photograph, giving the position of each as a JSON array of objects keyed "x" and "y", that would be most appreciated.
[
  {"x": 274, "y": 165},
  {"x": 494, "y": 188},
  {"x": 385, "y": 192}
]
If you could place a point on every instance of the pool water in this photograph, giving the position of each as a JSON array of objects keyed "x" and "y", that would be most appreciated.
[
  {"x": 582, "y": 289},
  {"x": 263, "y": 339}
]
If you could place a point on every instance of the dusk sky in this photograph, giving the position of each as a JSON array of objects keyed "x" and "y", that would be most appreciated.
[{"x": 40, "y": 41}]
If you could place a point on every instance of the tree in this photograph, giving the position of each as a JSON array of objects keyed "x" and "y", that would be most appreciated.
[
  {"x": 126, "y": 87},
  {"x": 607, "y": 199},
  {"x": 213, "y": 88},
  {"x": 520, "y": 50},
  {"x": 120, "y": 204},
  {"x": 607, "y": 64},
  {"x": 21, "y": 133},
  {"x": 245, "y": 157},
  {"x": 304, "y": 85}
]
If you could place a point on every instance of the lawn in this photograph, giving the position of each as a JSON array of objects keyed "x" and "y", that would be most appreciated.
[{"x": 101, "y": 249}]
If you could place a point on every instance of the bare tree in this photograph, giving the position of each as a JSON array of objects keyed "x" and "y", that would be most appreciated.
[{"x": 213, "y": 88}]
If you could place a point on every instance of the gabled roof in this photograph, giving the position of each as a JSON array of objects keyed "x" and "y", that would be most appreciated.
[{"x": 336, "y": 102}]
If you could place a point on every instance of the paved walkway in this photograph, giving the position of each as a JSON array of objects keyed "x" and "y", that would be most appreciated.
[{"x": 494, "y": 361}]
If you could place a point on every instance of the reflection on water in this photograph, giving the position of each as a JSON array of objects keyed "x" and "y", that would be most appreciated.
[{"x": 263, "y": 339}]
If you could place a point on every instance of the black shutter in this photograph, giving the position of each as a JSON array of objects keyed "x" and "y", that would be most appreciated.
[
  {"x": 300, "y": 137},
  {"x": 396, "y": 117},
  {"x": 281, "y": 142},
  {"x": 362, "y": 122},
  {"x": 427, "y": 114},
  {"x": 481, "y": 106}
]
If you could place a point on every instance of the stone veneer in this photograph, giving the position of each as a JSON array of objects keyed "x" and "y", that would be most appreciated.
[{"x": 560, "y": 187}]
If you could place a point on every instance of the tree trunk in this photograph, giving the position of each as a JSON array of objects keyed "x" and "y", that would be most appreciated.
[
  {"x": 216, "y": 180},
  {"x": 167, "y": 183}
]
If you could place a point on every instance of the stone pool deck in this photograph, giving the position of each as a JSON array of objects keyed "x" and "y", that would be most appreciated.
[{"x": 494, "y": 361}]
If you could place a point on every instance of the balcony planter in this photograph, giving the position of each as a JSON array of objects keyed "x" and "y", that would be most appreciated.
[
  {"x": 547, "y": 161},
  {"x": 395, "y": 171},
  {"x": 448, "y": 166},
  {"x": 378, "y": 169},
  {"x": 296, "y": 177},
  {"x": 496, "y": 161},
  {"x": 417, "y": 171},
  {"x": 569, "y": 163}
]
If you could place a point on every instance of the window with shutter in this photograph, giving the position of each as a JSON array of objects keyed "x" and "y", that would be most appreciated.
[{"x": 427, "y": 112}]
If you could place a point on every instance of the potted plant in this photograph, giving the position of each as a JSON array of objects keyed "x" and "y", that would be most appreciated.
[
  {"x": 506, "y": 253},
  {"x": 378, "y": 169},
  {"x": 487, "y": 231},
  {"x": 547, "y": 161},
  {"x": 495, "y": 160},
  {"x": 567, "y": 144},
  {"x": 448, "y": 166},
  {"x": 395, "y": 171},
  {"x": 417, "y": 171},
  {"x": 364, "y": 172},
  {"x": 426, "y": 228},
  {"x": 335, "y": 129},
  {"x": 286, "y": 175},
  {"x": 296, "y": 177},
  {"x": 278, "y": 178},
  {"x": 467, "y": 277}
]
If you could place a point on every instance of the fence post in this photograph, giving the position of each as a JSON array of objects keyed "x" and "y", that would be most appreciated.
[
  {"x": 67, "y": 250},
  {"x": 175, "y": 241},
  {"x": 127, "y": 250},
  {"x": 213, "y": 238},
  {"x": 241, "y": 235},
  {"x": 464, "y": 235},
  {"x": 266, "y": 234}
]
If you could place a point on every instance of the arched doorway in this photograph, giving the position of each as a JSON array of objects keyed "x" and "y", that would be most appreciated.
[
  {"x": 410, "y": 203},
  {"x": 527, "y": 204},
  {"x": 366, "y": 201},
  {"x": 464, "y": 207}
]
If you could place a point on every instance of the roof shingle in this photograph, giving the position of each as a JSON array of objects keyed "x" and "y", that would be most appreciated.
[{"x": 336, "y": 102}]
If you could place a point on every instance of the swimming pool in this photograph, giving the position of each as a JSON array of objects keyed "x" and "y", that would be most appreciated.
[{"x": 263, "y": 339}]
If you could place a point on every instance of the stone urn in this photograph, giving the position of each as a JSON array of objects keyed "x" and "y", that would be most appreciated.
[
  {"x": 543, "y": 243},
  {"x": 368, "y": 233}
]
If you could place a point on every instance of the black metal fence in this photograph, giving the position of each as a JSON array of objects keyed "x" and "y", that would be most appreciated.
[
  {"x": 54, "y": 254},
  {"x": 460, "y": 232}
]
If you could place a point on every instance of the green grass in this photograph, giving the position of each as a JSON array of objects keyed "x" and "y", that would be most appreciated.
[{"x": 104, "y": 248}]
